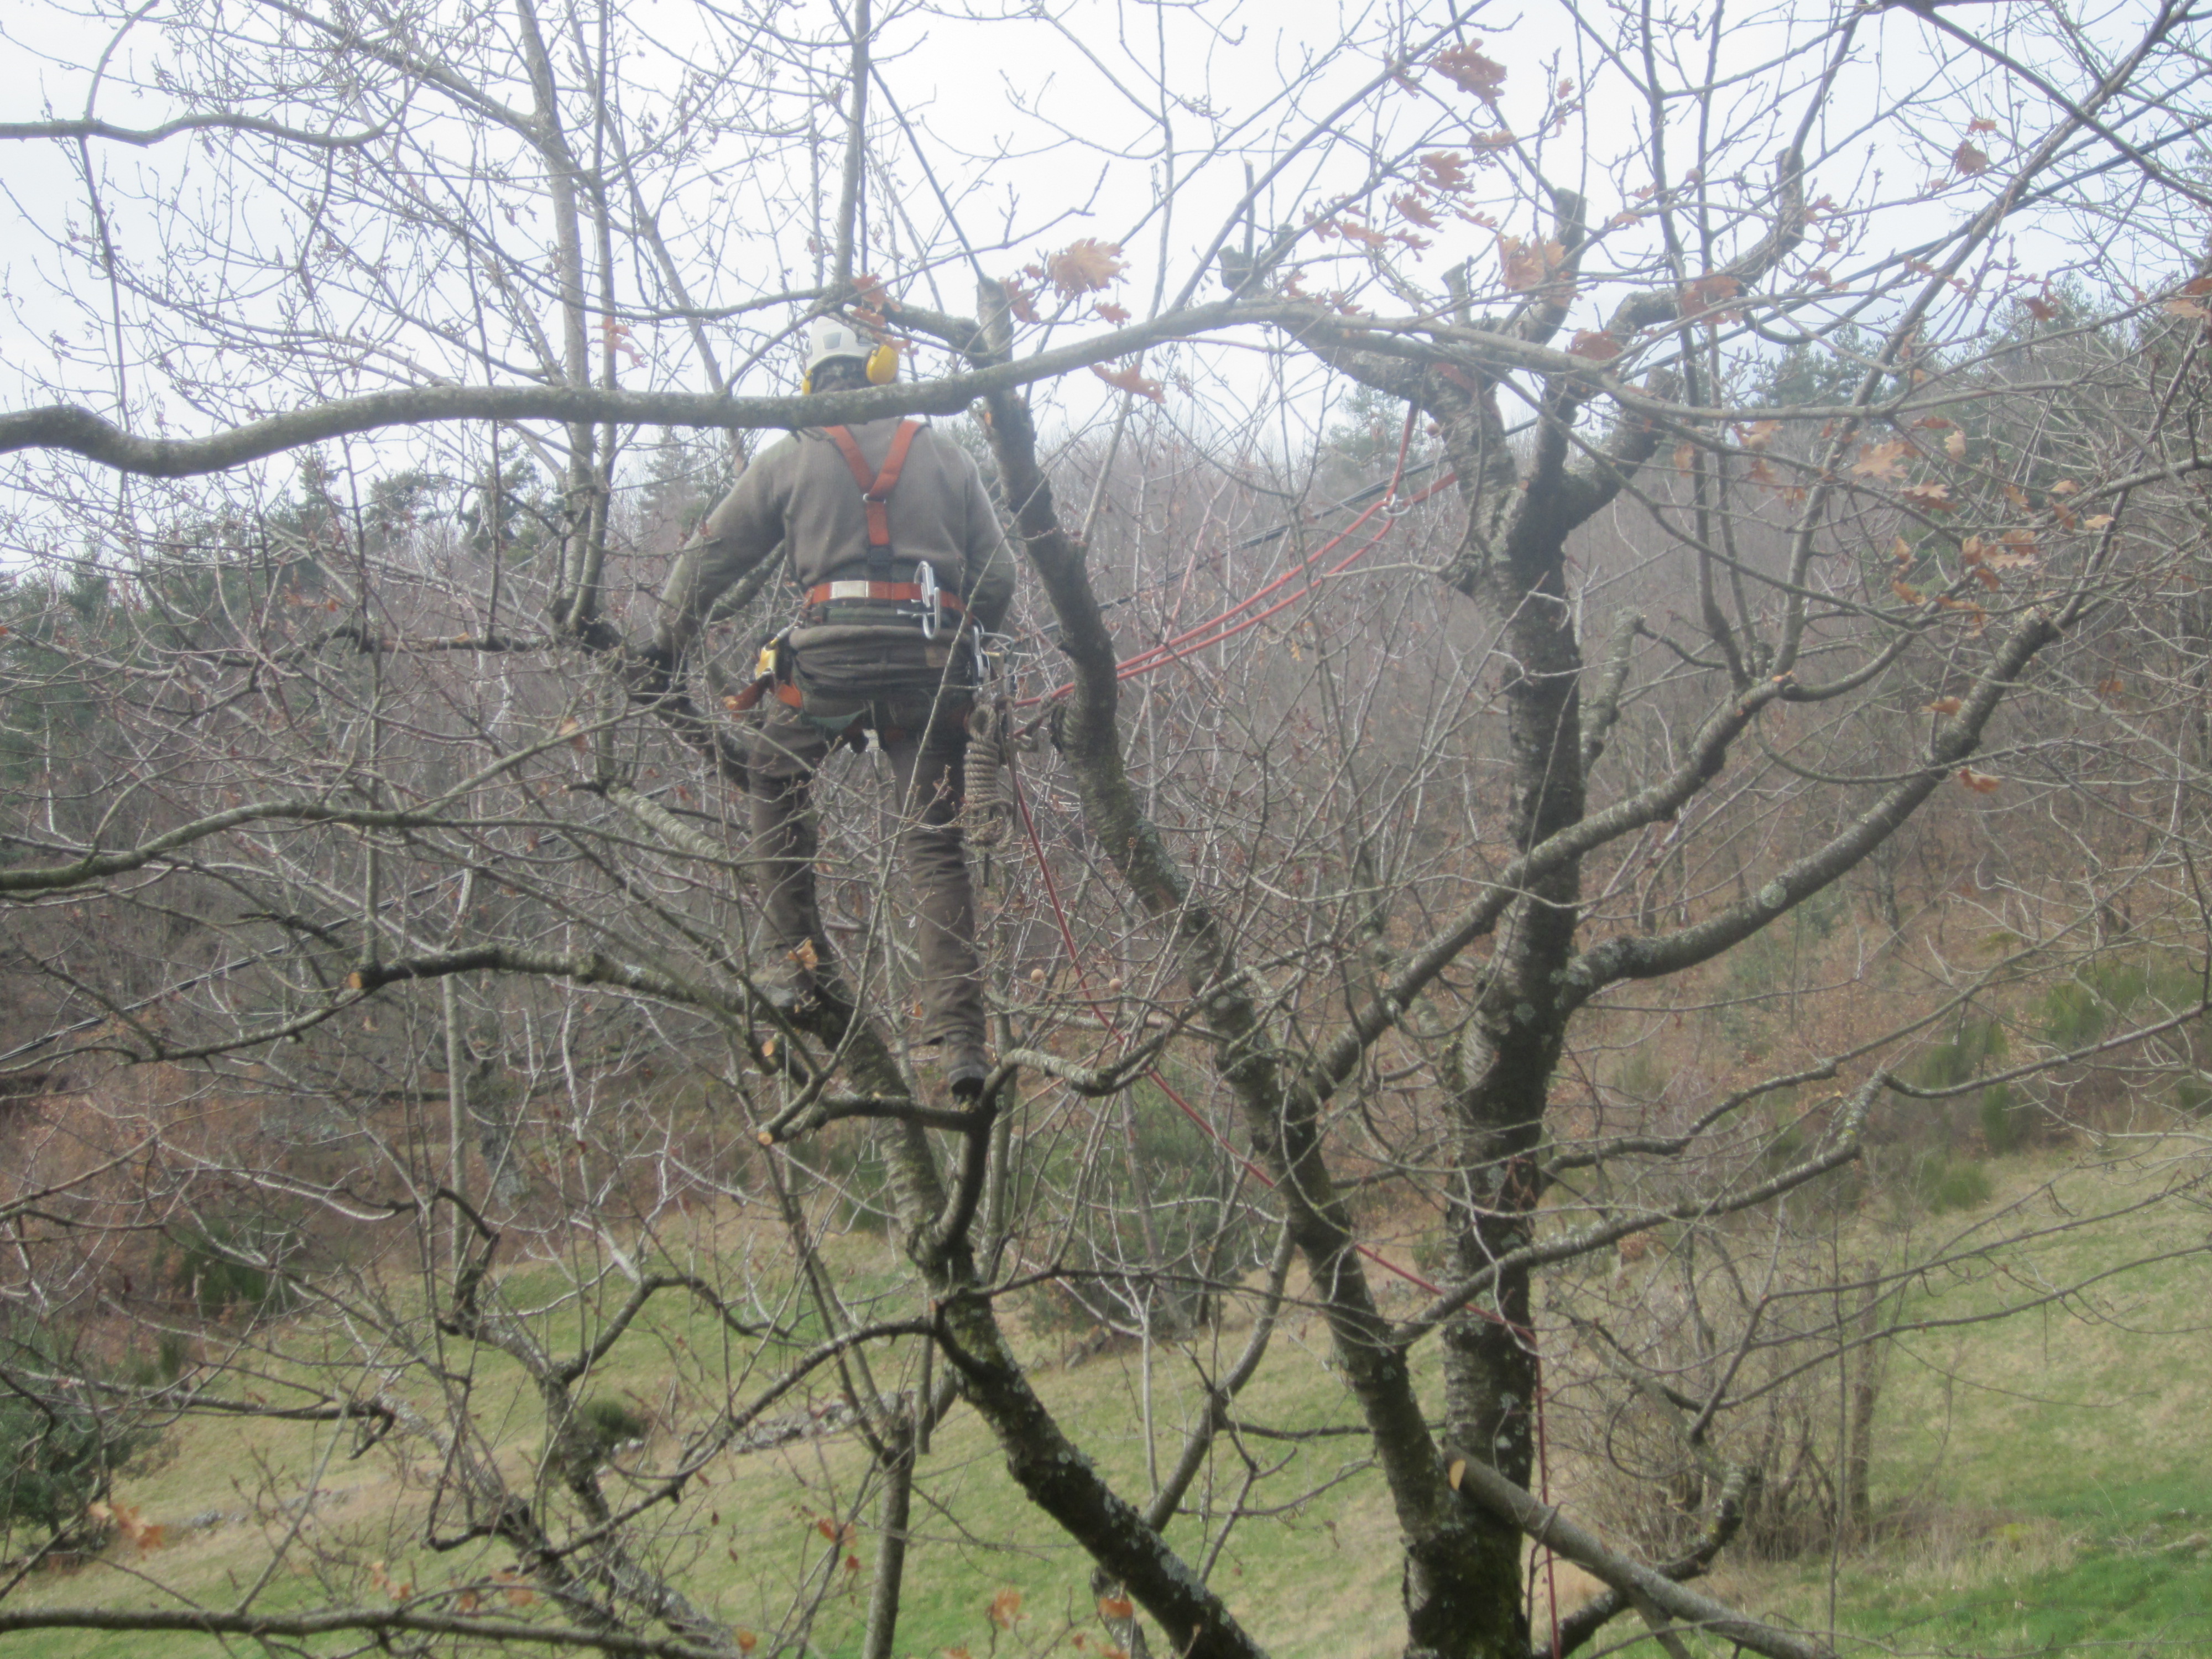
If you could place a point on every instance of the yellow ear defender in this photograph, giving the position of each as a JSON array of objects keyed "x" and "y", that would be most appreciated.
[
  {"x": 883, "y": 369},
  {"x": 832, "y": 337}
]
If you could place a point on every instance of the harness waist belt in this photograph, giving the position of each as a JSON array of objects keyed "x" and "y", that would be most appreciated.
[{"x": 894, "y": 592}]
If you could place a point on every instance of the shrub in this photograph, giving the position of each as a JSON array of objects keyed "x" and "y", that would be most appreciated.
[
  {"x": 1179, "y": 1227},
  {"x": 852, "y": 1164},
  {"x": 2192, "y": 1095},
  {"x": 1432, "y": 1248},
  {"x": 609, "y": 1423},
  {"x": 2073, "y": 1015},
  {"x": 1944, "y": 1185},
  {"x": 172, "y": 1354},
  {"x": 1976, "y": 1041},
  {"x": 58, "y": 1455},
  {"x": 1639, "y": 1076},
  {"x": 1778, "y": 1355},
  {"x": 52, "y": 1466},
  {"x": 230, "y": 1265},
  {"x": 2005, "y": 1123},
  {"x": 2107, "y": 992}
]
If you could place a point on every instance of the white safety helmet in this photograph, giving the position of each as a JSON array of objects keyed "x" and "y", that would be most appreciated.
[{"x": 831, "y": 338}]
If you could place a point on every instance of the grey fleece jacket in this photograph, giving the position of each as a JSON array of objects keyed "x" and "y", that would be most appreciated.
[{"x": 800, "y": 495}]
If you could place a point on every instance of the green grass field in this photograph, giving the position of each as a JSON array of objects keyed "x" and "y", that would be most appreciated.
[
  {"x": 2044, "y": 1483},
  {"x": 2047, "y": 1479}
]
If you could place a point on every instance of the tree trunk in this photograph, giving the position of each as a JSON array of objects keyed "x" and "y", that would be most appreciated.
[
  {"x": 890, "y": 1548},
  {"x": 1865, "y": 1392},
  {"x": 1491, "y": 1369}
]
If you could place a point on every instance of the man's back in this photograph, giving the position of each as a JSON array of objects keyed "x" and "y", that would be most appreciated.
[{"x": 802, "y": 494}]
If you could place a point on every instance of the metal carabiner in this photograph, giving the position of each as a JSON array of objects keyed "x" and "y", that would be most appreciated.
[{"x": 933, "y": 599}]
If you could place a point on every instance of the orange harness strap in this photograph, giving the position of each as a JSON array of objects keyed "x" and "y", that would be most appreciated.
[{"x": 876, "y": 489}]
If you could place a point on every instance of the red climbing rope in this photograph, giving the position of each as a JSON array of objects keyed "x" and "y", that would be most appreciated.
[
  {"x": 1225, "y": 625},
  {"x": 1392, "y": 508}
]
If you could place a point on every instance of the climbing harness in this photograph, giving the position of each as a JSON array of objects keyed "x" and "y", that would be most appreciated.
[
  {"x": 831, "y": 602},
  {"x": 880, "y": 600},
  {"x": 876, "y": 488},
  {"x": 848, "y": 708}
]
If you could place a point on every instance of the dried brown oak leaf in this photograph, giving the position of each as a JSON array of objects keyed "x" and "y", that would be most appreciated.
[
  {"x": 1881, "y": 461},
  {"x": 1709, "y": 292},
  {"x": 1132, "y": 378},
  {"x": 1415, "y": 207},
  {"x": 1085, "y": 266},
  {"x": 1442, "y": 169},
  {"x": 136, "y": 1530},
  {"x": 1470, "y": 72},
  {"x": 1530, "y": 265}
]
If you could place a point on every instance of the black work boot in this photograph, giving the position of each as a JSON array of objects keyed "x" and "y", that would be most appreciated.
[{"x": 966, "y": 1070}]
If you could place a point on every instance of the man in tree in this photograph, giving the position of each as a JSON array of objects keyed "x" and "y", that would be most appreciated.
[{"x": 894, "y": 543}]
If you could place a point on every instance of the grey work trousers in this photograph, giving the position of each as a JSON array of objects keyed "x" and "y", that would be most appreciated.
[{"x": 783, "y": 753}]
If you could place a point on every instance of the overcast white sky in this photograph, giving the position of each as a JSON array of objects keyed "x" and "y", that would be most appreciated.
[{"x": 1039, "y": 128}]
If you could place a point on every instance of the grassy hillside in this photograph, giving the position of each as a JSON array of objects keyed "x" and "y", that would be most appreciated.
[
  {"x": 2048, "y": 1478},
  {"x": 2044, "y": 1483}
]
